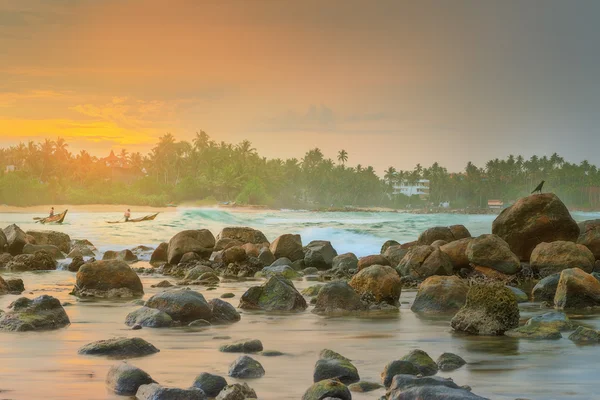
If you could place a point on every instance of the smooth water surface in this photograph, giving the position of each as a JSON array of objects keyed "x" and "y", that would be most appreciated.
[{"x": 45, "y": 365}]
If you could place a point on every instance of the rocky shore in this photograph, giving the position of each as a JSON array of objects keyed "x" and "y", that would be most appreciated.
[{"x": 475, "y": 283}]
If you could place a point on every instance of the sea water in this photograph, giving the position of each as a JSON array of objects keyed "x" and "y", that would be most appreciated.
[{"x": 45, "y": 365}]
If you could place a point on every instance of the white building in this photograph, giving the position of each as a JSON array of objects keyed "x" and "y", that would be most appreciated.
[
  {"x": 419, "y": 188},
  {"x": 10, "y": 168}
]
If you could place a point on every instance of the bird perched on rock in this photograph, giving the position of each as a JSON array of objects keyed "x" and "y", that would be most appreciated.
[{"x": 538, "y": 188}]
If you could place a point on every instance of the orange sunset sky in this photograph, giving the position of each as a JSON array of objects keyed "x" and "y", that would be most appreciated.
[{"x": 392, "y": 82}]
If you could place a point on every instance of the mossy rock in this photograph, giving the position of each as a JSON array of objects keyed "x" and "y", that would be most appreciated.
[
  {"x": 125, "y": 379},
  {"x": 364, "y": 387},
  {"x": 327, "y": 354},
  {"x": 119, "y": 348},
  {"x": 397, "y": 367},
  {"x": 557, "y": 320},
  {"x": 336, "y": 368},
  {"x": 422, "y": 361},
  {"x": 312, "y": 291},
  {"x": 210, "y": 384},
  {"x": 242, "y": 346},
  {"x": 149, "y": 317},
  {"x": 246, "y": 367},
  {"x": 40, "y": 314},
  {"x": 449, "y": 362},
  {"x": 535, "y": 331},
  {"x": 583, "y": 335},
  {"x": 277, "y": 294},
  {"x": 329, "y": 388}
]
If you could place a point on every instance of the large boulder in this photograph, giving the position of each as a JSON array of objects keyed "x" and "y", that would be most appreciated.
[
  {"x": 125, "y": 379},
  {"x": 459, "y": 232},
  {"x": 533, "y": 220},
  {"x": 154, "y": 391},
  {"x": 48, "y": 248},
  {"x": 346, "y": 262},
  {"x": 327, "y": 389},
  {"x": 211, "y": 384},
  {"x": 440, "y": 294},
  {"x": 149, "y": 317},
  {"x": 552, "y": 258},
  {"x": 199, "y": 241},
  {"x": 39, "y": 261},
  {"x": 277, "y": 294},
  {"x": 288, "y": 246},
  {"x": 589, "y": 236},
  {"x": 397, "y": 367},
  {"x": 105, "y": 279},
  {"x": 338, "y": 297},
  {"x": 492, "y": 252},
  {"x": 161, "y": 253},
  {"x": 422, "y": 361},
  {"x": 319, "y": 254},
  {"x": 387, "y": 244},
  {"x": 243, "y": 234},
  {"x": 457, "y": 251},
  {"x": 490, "y": 309},
  {"x": 409, "y": 387},
  {"x": 437, "y": 263},
  {"x": 40, "y": 314},
  {"x": 335, "y": 368},
  {"x": 53, "y": 238},
  {"x": 181, "y": 304},
  {"x": 379, "y": 283},
  {"x": 119, "y": 348},
  {"x": 395, "y": 254},
  {"x": 436, "y": 233},
  {"x": 222, "y": 312},
  {"x": 410, "y": 264},
  {"x": 545, "y": 289},
  {"x": 16, "y": 239},
  {"x": 245, "y": 367},
  {"x": 577, "y": 289},
  {"x": 374, "y": 259}
]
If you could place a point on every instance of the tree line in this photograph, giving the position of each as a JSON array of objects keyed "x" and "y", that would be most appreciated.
[{"x": 178, "y": 171}]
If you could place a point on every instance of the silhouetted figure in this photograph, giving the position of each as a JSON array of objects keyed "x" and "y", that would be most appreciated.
[
  {"x": 539, "y": 188},
  {"x": 51, "y": 212},
  {"x": 127, "y": 215}
]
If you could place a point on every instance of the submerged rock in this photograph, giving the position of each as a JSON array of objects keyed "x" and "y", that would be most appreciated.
[
  {"x": 440, "y": 294},
  {"x": 149, "y": 317},
  {"x": 577, "y": 289},
  {"x": 329, "y": 388},
  {"x": 40, "y": 314},
  {"x": 211, "y": 384},
  {"x": 154, "y": 391},
  {"x": 408, "y": 387},
  {"x": 364, "y": 386},
  {"x": 312, "y": 291},
  {"x": 535, "y": 331},
  {"x": 277, "y": 294},
  {"x": 554, "y": 319},
  {"x": 532, "y": 220},
  {"x": 545, "y": 289},
  {"x": 237, "y": 391},
  {"x": 397, "y": 367},
  {"x": 119, "y": 348},
  {"x": 449, "y": 362},
  {"x": 107, "y": 279},
  {"x": 242, "y": 346},
  {"x": 490, "y": 309},
  {"x": 583, "y": 335},
  {"x": 340, "y": 369},
  {"x": 246, "y": 367},
  {"x": 181, "y": 305},
  {"x": 223, "y": 312},
  {"x": 125, "y": 379},
  {"x": 379, "y": 282},
  {"x": 422, "y": 361},
  {"x": 338, "y": 297}
]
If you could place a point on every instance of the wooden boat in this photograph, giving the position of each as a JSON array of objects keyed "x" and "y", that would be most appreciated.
[
  {"x": 55, "y": 219},
  {"x": 141, "y": 219}
]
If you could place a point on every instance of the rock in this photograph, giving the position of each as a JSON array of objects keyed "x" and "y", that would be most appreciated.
[
  {"x": 265, "y": 256},
  {"x": 277, "y": 294},
  {"x": 149, "y": 317},
  {"x": 39, "y": 261},
  {"x": 449, "y": 362},
  {"x": 422, "y": 361},
  {"x": 189, "y": 258},
  {"x": 298, "y": 265},
  {"x": 436, "y": 233},
  {"x": 108, "y": 279},
  {"x": 533, "y": 220},
  {"x": 225, "y": 243},
  {"x": 252, "y": 249},
  {"x": 491, "y": 309},
  {"x": 552, "y": 258},
  {"x": 379, "y": 282},
  {"x": 235, "y": 254},
  {"x": 437, "y": 263},
  {"x": 199, "y": 241},
  {"x": 545, "y": 289},
  {"x": 492, "y": 252},
  {"x": 4, "y": 288},
  {"x": 576, "y": 289},
  {"x": 223, "y": 312},
  {"x": 589, "y": 236},
  {"x": 16, "y": 239},
  {"x": 288, "y": 246},
  {"x": 520, "y": 295},
  {"x": 312, "y": 291},
  {"x": 364, "y": 387},
  {"x": 119, "y": 348},
  {"x": 440, "y": 294},
  {"x": 246, "y": 367},
  {"x": 280, "y": 262},
  {"x": 410, "y": 264},
  {"x": 48, "y": 248},
  {"x": 408, "y": 387},
  {"x": 154, "y": 391},
  {"x": 536, "y": 331},
  {"x": 237, "y": 391},
  {"x": 196, "y": 272},
  {"x": 343, "y": 370},
  {"x": 181, "y": 305},
  {"x": 553, "y": 319},
  {"x": 163, "y": 284},
  {"x": 76, "y": 264},
  {"x": 83, "y": 246},
  {"x": 15, "y": 285},
  {"x": 125, "y": 379},
  {"x": 329, "y": 388},
  {"x": 123, "y": 255},
  {"x": 210, "y": 384},
  {"x": 395, "y": 254},
  {"x": 457, "y": 251},
  {"x": 387, "y": 244},
  {"x": 585, "y": 335},
  {"x": 207, "y": 278},
  {"x": 282, "y": 270},
  {"x": 40, "y": 314},
  {"x": 375, "y": 259},
  {"x": 243, "y": 234},
  {"x": 346, "y": 261},
  {"x": 338, "y": 297},
  {"x": 161, "y": 253},
  {"x": 319, "y": 254},
  {"x": 3, "y": 242},
  {"x": 438, "y": 243},
  {"x": 5, "y": 258},
  {"x": 242, "y": 346},
  {"x": 327, "y": 354},
  {"x": 53, "y": 238},
  {"x": 459, "y": 232},
  {"x": 227, "y": 295},
  {"x": 397, "y": 367}
]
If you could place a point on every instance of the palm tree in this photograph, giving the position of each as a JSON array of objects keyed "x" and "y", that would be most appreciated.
[
  {"x": 390, "y": 176},
  {"x": 342, "y": 157},
  {"x": 124, "y": 157}
]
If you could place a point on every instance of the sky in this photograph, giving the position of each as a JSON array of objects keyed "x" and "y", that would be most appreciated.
[{"x": 392, "y": 82}]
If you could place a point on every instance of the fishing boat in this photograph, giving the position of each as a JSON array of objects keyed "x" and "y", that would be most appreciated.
[
  {"x": 141, "y": 219},
  {"x": 55, "y": 219}
]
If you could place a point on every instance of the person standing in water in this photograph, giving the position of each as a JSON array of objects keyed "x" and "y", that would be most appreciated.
[
  {"x": 127, "y": 215},
  {"x": 51, "y": 212}
]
